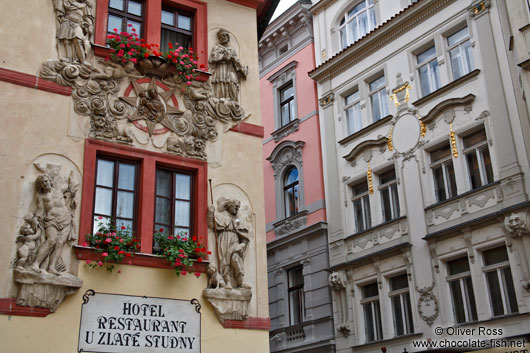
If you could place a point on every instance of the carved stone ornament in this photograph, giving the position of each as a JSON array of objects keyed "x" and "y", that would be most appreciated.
[
  {"x": 291, "y": 224},
  {"x": 428, "y": 307},
  {"x": 41, "y": 265},
  {"x": 286, "y": 153},
  {"x": 227, "y": 69},
  {"x": 337, "y": 285},
  {"x": 518, "y": 224},
  {"x": 227, "y": 290},
  {"x": 327, "y": 100}
]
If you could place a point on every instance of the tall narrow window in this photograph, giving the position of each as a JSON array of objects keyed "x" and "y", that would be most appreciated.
[
  {"x": 461, "y": 53},
  {"x": 361, "y": 207},
  {"x": 478, "y": 159},
  {"x": 389, "y": 195},
  {"x": 372, "y": 312},
  {"x": 115, "y": 198},
  {"x": 173, "y": 201},
  {"x": 357, "y": 22},
  {"x": 123, "y": 13},
  {"x": 287, "y": 104},
  {"x": 176, "y": 28},
  {"x": 290, "y": 191},
  {"x": 428, "y": 71},
  {"x": 378, "y": 98},
  {"x": 443, "y": 173},
  {"x": 500, "y": 282},
  {"x": 296, "y": 295},
  {"x": 399, "y": 295},
  {"x": 353, "y": 112},
  {"x": 459, "y": 279}
]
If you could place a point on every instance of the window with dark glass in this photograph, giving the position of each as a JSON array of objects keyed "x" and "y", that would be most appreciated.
[
  {"x": 361, "y": 207},
  {"x": 115, "y": 193},
  {"x": 176, "y": 28},
  {"x": 402, "y": 311},
  {"x": 296, "y": 295},
  {"x": 443, "y": 173},
  {"x": 287, "y": 104},
  {"x": 478, "y": 159},
  {"x": 123, "y": 13},
  {"x": 290, "y": 191},
  {"x": 372, "y": 312},
  {"x": 500, "y": 281},
  {"x": 173, "y": 202},
  {"x": 459, "y": 279},
  {"x": 389, "y": 195}
]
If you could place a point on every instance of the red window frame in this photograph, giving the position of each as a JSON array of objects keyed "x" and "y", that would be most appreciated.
[
  {"x": 152, "y": 25},
  {"x": 148, "y": 162}
]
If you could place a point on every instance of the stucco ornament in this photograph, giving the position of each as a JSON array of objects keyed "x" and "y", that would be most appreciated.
[
  {"x": 227, "y": 290},
  {"x": 428, "y": 307},
  {"x": 518, "y": 224},
  {"x": 338, "y": 286},
  {"x": 41, "y": 267},
  {"x": 227, "y": 69}
]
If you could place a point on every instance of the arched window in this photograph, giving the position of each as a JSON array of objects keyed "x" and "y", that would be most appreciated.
[
  {"x": 357, "y": 22},
  {"x": 290, "y": 192}
]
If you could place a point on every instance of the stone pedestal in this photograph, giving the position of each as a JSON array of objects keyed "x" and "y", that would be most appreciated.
[{"x": 229, "y": 304}]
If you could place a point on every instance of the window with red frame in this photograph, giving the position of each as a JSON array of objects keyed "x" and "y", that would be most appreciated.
[
  {"x": 123, "y": 13},
  {"x": 176, "y": 28}
]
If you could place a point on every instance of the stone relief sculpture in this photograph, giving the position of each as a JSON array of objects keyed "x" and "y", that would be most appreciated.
[
  {"x": 518, "y": 224},
  {"x": 518, "y": 227},
  {"x": 41, "y": 270},
  {"x": 338, "y": 286},
  {"x": 75, "y": 27},
  {"x": 227, "y": 290},
  {"x": 227, "y": 69}
]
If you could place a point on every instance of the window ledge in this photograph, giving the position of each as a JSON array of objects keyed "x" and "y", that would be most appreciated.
[
  {"x": 291, "y": 224},
  {"x": 365, "y": 130},
  {"x": 379, "y": 226},
  {"x": 100, "y": 50},
  {"x": 285, "y": 130},
  {"x": 465, "y": 194},
  {"x": 448, "y": 87},
  {"x": 139, "y": 259},
  {"x": 367, "y": 344},
  {"x": 492, "y": 319}
]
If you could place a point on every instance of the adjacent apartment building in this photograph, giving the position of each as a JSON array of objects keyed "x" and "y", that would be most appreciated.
[
  {"x": 295, "y": 213},
  {"x": 424, "y": 129}
]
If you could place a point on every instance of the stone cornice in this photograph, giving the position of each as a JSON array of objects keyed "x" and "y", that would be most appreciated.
[
  {"x": 378, "y": 38},
  {"x": 363, "y": 145}
]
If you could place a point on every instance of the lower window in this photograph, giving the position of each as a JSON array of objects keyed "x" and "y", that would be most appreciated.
[
  {"x": 500, "y": 282},
  {"x": 462, "y": 294},
  {"x": 401, "y": 308},
  {"x": 372, "y": 313},
  {"x": 295, "y": 278}
]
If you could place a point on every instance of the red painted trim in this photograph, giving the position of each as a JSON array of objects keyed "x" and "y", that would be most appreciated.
[
  {"x": 139, "y": 259},
  {"x": 253, "y": 4},
  {"x": 8, "y": 306},
  {"x": 252, "y": 323},
  {"x": 152, "y": 25},
  {"x": 249, "y": 129},
  {"x": 100, "y": 50},
  {"x": 27, "y": 80},
  {"x": 148, "y": 161}
]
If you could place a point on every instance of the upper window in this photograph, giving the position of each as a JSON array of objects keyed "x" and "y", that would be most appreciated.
[
  {"x": 357, "y": 22},
  {"x": 389, "y": 195},
  {"x": 378, "y": 98},
  {"x": 290, "y": 191},
  {"x": 478, "y": 159},
  {"x": 443, "y": 173},
  {"x": 399, "y": 294},
  {"x": 295, "y": 277},
  {"x": 361, "y": 207},
  {"x": 372, "y": 312},
  {"x": 176, "y": 28},
  {"x": 500, "y": 282},
  {"x": 428, "y": 71},
  {"x": 287, "y": 104},
  {"x": 461, "y": 53},
  {"x": 459, "y": 278},
  {"x": 353, "y": 112},
  {"x": 124, "y": 14}
]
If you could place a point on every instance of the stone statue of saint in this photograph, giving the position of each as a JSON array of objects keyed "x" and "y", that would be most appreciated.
[
  {"x": 227, "y": 69},
  {"x": 232, "y": 241},
  {"x": 75, "y": 26}
]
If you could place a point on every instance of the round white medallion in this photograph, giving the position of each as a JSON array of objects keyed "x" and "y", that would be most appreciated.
[{"x": 406, "y": 133}]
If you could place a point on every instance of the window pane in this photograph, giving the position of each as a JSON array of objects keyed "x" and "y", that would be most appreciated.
[
  {"x": 363, "y": 24},
  {"x": 370, "y": 290},
  {"x": 182, "y": 231},
  {"x": 103, "y": 202},
  {"x": 425, "y": 84},
  {"x": 114, "y": 22},
  {"x": 296, "y": 277},
  {"x": 439, "y": 184},
  {"x": 450, "y": 172},
  {"x": 292, "y": 176},
  {"x": 124, "y": 223},
  {"x": 426, "y": 55},
  {"x": 125, "y": 204},
  {"x": 343, "y": 38},
  {"x": 352, "y": 98},
  {"x": 287, "y": 93},
  {"x": 475, "y": 138},
  {"x": 358, "y": 215},
  {"x": 408, "y": 313},
  {"x": 360, "y": 188},
  {"x": 510, "y": 290},
  {"x": 168, "y": 18},
  {"x": 398, "y": 315},
  {"x": 387, "y": 177},
  {"x": 458, "y": 36},
  {"x": 126, "y": 176},
  {"x": 379, "y": 82},
  {"x": 162, "y": 211},
  {"x": 468, "y": 54},
  {"x": 116, "y": 4},
  {"x": 441, "y": 153},
  {"x": 470, "y": 297},
  {"x": 136, "y": 25},
  {"x": 376, "y": 111},
  {"x": 367, "y": 214},
  {"x": 458, "y": 304},
  {"x": 495, "y": 293},
  {"x": 494, "y": 256},
  {"x": 458, "y": 266},
  {"x": 161, "y": 226},
  {"x": 184, "y": 22},
  {"x": 163, "y": 183},
  {"x": 285, "y": 111},
  {"x": 399, "y": 282},
  {"x": 456, "y": 63},
  {"x": 369, "y": 322},
  {"x": 474, "y": 172},
  {"x": 294, "y": 307},
  {"x": 135, "y": 8},
  {"x": 105, "y": 172},
  {"x": 182, "y": 213},
  {"x": 487, "y": 164},
  {"x": 182, "y": 186},
  {"x": 99, "y": 223},
  {"x": 169, "y": 36}
]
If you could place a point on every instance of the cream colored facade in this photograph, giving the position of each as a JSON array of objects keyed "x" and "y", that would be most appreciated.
[
  {"x": 40, "y": 126},
  {"x": 402, "y": 218}
]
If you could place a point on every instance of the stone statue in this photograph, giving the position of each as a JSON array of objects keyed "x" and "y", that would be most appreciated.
[
  {"x": 518, "y": 224},
  {"x": 30, "y": 237},
  {"x": 215, "y": 280},
  {"x": 75, "y": 26},
  {"x": 232, "y": 241},
  {"x": 337, "y": 285},
  {"x": 227, "y": 69}
]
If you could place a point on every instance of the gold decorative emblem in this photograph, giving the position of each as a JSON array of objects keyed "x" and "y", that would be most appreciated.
[
  {"x": 370, "y": 182},
  {"x": 453, "y": 141},
  {"x": 394, "y": 96}
]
